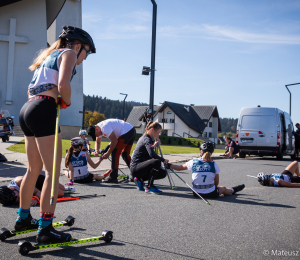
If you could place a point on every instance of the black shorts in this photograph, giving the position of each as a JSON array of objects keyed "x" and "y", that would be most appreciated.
[
  {"x": 38, "y": 116},
  {"x": 88, "y": 179},
  {"x": 212, "y": 195},
  {"x": 40, "y": 182},
  {"x": 294, "y": 179}
]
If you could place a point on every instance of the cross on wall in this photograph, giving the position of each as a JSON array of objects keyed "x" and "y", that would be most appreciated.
[{"x": 11, "y": 39}]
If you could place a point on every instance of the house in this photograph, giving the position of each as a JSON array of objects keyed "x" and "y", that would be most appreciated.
[{"x": 180, "y": 120}]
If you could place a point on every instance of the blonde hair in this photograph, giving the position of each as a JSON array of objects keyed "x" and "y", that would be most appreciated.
[
  {"x": 69, "y": 156},
  {"x": 44, "y": 53},
  {"x": 206, "y": 156},
  {"x": 154, "y": 125}
]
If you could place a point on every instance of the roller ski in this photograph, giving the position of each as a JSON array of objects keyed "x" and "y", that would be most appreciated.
[
  {"x": 24, "y": 247},
  {"x": 5, "y": 233}
]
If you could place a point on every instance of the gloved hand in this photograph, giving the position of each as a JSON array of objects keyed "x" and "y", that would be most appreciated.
[
  {"x": 168, "y": 165},
  {"x": 62, "y": 103},
  {"x": 70, "y": 183},
  {"x": 103, "y": 151}
]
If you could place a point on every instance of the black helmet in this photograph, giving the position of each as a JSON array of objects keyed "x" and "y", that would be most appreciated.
[
  {"x": 7, "y": 196},
  {"x": 207, "y": 147},
  {"x": 263, "y": 179},
  {"x": 74, "y": 33}
]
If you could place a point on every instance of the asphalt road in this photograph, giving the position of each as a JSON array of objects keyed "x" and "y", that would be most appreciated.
[{"x": 257, "y": 223}]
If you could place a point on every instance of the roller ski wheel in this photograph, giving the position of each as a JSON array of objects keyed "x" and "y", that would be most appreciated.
[
  {"x": 25, "y": 247},
  {"x": 107, "y": 236},
  {"x": 5, "y": 233}
]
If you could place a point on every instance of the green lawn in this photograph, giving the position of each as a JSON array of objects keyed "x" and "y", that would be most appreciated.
[{"x": 20, "y": 148}]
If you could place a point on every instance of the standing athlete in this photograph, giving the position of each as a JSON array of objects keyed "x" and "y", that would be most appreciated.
[
  {"x": 122, "y": 135},
  {"x": 53, "y": 69}
]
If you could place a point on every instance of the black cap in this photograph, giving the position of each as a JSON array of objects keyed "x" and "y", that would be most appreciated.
[{"x": 91, "y": 132}]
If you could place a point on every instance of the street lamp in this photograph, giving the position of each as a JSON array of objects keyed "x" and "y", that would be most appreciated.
[
  {"x": 290, "y": 95},
  {"x": 163, "y": 118},
  {"x": 124, "y": 105},
  {"x": 147, "y": 70}
]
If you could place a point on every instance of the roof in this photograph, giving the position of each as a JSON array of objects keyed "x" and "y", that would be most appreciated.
[
  {"x": 136, "y": 113},
  {"x": 197, "y": 117}
]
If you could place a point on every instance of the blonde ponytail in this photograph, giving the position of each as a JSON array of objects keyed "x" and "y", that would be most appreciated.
[{"x": 206, "y": 156}]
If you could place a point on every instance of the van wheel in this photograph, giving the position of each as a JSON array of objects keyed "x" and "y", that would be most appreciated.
[
  {"x": 242, "y": 155},
  {"x": 293, "y": 156},
  {"x": 279, "y": 156},
  {"x": 3, "y": 139}
]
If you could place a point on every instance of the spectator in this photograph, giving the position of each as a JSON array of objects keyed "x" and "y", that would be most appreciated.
[
  {"x": 297, "y": 139},
  {"x": 232, "y": 148}
]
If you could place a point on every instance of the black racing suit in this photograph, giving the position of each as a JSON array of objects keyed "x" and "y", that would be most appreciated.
[{"x": 145, "y": 163}]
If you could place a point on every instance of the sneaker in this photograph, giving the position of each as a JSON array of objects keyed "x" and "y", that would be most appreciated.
[
  {"x": 49, "y": 235},
  {"x": 110, "y": 181},
  {"x": 26, "y": 224},
  {"x": 238, "y": 188},
  {"x": 131, "y": 179},
  {"x": 106, "y": 174},
  {"x": 139, "y": 184},
  {"x": 69, "y": 189},
  {"x": 230, "y": 157},
  {"x": 153, "y": 190}
]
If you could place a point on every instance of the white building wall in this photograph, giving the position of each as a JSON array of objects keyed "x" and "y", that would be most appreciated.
[
  {"x": 70, "y": 15},
  {"x": 31, "y": 22}
]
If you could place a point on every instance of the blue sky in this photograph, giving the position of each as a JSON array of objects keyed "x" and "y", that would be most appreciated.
[{"x": 227, "y": 53}]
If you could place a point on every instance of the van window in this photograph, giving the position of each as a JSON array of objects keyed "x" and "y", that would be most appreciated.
[
  {"x": 267, "y": 124},
  {"x": 249, "y": 122}
]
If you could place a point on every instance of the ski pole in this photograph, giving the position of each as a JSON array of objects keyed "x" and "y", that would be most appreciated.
[
  {"x": 191, "y": 187},
  {"x": 252, "y": 176},
  {"x": 79, "y": 197},
  {"x": 55, "y": 156},
  {"x": 169, "y": 175}
]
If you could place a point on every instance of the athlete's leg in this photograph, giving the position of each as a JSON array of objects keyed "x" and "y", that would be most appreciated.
[
  {"x": 46, "y": 148},
  {"x": 97, "y": 177},
  {"x": 115, "y": 157},
  {"x": 35, "y": 166},
  {"x": 223, "y": 190},
  {"x": 293, "y": 168}
]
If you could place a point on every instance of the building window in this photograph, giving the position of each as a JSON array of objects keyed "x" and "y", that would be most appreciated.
[
  {"x": 204, "y": 134},
  {"x": 172, "y": 120},
  {"x": 169, "y": 112},
  {"x": 164, "y": 120},
  {"x": 210, "y": 124},
  {"x": 209, "y": 134}
]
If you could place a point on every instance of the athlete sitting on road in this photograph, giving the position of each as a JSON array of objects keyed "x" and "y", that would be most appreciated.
[
  {"x": 15, "y": 185},
  {"x": 205, "y": 177},
  {"x": 86, "y": 144},
  {"x": 285, "y": 179},
  {"x": 76, "y": 160},
  {"x": 145, "y": 163}
]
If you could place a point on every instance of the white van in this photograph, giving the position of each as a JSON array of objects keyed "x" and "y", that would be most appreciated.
[{"x": 265, "y": 131}]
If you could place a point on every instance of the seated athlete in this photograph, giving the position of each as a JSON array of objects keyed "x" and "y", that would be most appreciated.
[
  {"x": 205, "y": 177},
  {"x": 76, "y": 160},
  {"x": 285, "y": 179},
  {"x": 86, "y": 144},
  {"x": 146, "y": 164},
  {"x": 15, "y": 185}
]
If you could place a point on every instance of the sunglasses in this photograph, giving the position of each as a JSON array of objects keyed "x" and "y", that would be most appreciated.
[{"x": 88, "y": 52}]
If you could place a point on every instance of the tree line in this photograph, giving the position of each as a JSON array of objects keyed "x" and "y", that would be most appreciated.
[
  {"x": 110, "y": 108},
  {"x": 107, "y": 108}
]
